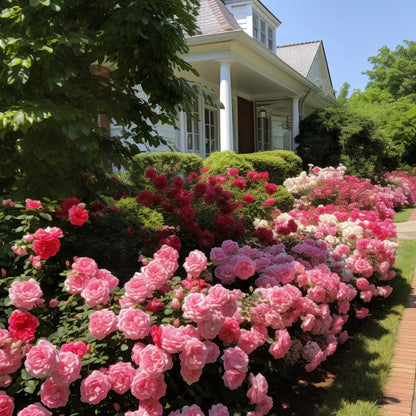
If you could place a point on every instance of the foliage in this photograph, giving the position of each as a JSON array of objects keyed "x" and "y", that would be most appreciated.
[
  {"x": 280, "y": 164},
  {"x": 394, "y": 71},
  {"x": 220, "y": 162},
  {"x": 179, "y": 163},
  {"x": 84, "y": 59},
  {"x": 342, "y": 136}
]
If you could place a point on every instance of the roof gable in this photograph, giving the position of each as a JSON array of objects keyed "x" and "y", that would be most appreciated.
[
  {"x": 214, "y": 17},
  {"x": 309, "y": 60}
]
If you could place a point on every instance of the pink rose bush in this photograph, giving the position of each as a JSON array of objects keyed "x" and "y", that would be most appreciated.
[{"x": 204, "y": 330}]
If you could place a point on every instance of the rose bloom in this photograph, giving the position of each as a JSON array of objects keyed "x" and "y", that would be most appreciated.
[
  {"x": 77, "y": 347},
  {"x": 195, "y": 263},
  {"x": 68, "y": 369},
  {"x": 106, "y": 275},
  {"x": 35, "y": 409},
  {"x": 26, "y": 295},
  {"x": 154, "y": 361},
  {"x": 77, "y": 216},
  {"x": 85, "y": 266},
  {"x": 95, "y": 387},
  {"x": 218, "y": 410},
  {"x": 189, "y": 375},
  {"x": 6, "y": 404},
  {"x": 145, "y": 387},
  {"x": 150, "y": 407},
  {"x": 258, "y": 390},
  {"x": 121, "y": 376},
  {"x": 235, "y": 358},
  {"x": 96, "y": 292},
  {"x": 22, "y": 325},
  {"x": 42, "y": 359},
  {"x": 230, "y": 331},
  {"x": 193, "y": 410},
  {"x": 32, "y": 204},
  {"x": 195, "y": 307},
  {"x": 194, "y": 354},
  {"x": 46, "y": 243},
  {"x": 102, "y": 323},
  {"x": 172, "y": 339},
  {"x": 233, "y": 378},
  {"x": 54, "y": 395},
  {"x": 134, "y": 323}
]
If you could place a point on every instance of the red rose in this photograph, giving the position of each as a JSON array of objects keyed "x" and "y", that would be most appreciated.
[
  {"x": 77, "y": 216},
  {"x": 46, "y": 243},
  {"x": 22, "y": 325}
]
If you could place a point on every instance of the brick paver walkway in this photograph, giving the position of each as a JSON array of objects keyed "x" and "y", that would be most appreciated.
[{"x": 400, "y": 387}]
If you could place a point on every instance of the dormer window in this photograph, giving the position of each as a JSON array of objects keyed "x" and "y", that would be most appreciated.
[{"x": 263, "y": 32}]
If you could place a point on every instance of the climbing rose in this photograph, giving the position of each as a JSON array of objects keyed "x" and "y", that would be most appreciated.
[{"x": 77, "y": 215}]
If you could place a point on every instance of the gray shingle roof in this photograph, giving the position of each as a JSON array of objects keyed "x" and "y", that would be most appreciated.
[
  {"x": 299, "y": 56},
  {"x": 214, "y": 17}
]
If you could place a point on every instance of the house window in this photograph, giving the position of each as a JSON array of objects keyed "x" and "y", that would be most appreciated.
[
  {"x": 202, "y": 129},
  {"x": 263, "y": 132},
  {"x": 263, "y": 32},
  {"x": 192, "y": 128},
  {"x": 211, "y": 136},
  {"x": 255, "y": 26}
]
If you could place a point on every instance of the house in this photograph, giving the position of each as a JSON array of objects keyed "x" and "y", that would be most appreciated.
[{"x": 264, "y": 88}]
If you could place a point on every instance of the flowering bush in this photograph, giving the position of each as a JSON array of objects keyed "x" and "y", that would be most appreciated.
[
  {"x": 209, "y": 209},
  {"x": 212, "y": 331},
  {"x": 331, "y": 185}
]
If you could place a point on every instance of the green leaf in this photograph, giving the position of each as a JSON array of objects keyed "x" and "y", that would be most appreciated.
[
  {"x": 30, "y": 386},
  {"x": 34, "y": 3},
  {"x": 45, "y": 2},
  {"x": 47, "y": 217}
]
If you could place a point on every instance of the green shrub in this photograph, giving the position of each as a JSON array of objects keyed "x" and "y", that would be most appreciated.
[
  {"x": 138, "y": 214},
  {"x": 220, "y": 162},
  {"x": 280, "y": 164},
  {"x": 180, "y": 163}
]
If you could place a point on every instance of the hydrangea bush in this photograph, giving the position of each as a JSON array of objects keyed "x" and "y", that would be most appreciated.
[{"x": 198, "y": 328}]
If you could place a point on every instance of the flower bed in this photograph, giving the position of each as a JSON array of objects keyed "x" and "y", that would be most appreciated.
[{"x": 216, "y": 313}]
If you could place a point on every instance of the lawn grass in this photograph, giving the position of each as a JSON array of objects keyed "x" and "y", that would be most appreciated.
[
  {"x": 403, "y": 215},
  {"x": 362, "y": 371}
]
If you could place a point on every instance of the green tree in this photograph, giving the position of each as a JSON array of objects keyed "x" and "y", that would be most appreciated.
[
  {"x": 394, "y": 71},
  {"x": 64, "y": 62}
]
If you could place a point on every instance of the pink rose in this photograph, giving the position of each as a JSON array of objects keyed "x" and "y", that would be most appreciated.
[
  {"x": 280, "y": 348},
  {"x": 77, "y": 215},
  {"x": 68, "y": 369},
  {"x": 96, "y": 292},
  {"x": 95, "y": 387},
  {"x": 362, "y": 313},
  {"x": 218, "y": 255},
  {"x": 210, "y": 327},
  {"x": 54, "y": 395},
  {"x": 134, "y": 323},
  {"x": 193, "y": 410},
  {"x": 102, "y": 323},
  {"x": 46, "y": 243},
  {"x": 172, "y": 339},
  {"x": 258, "y": 390},
  {"x": 230, "y": 247},
  {"x": 42, "y": 359},
  {"x": 157, "y": 273},
  {"x": 121, "y": 376},
  {"x": 75, "y": 283},
  {"x": 85, "y": 266},
  {"x": 106, "y": 275},
  {"x": 145, "y": 387},
  {"x": 233, "y": 378},
  {"x": 35, "y": 409},
  {"x": 194, "y": 355},
  {"x": 26, "y": 295},
  {"x": 245, "y": 267},
  {"x": 235, "y": 358},
  {"x": 150, "y": 407},
  {"x": 195, "y": 307},
  {"x": 153, "y": 360},
  {"x": 213, "y": 352},
  {"x": 190, "y": 375},
  {"x": 138, "y": 288},
  {"x": 32, "y": 204},
  {"x": 195, "y": 263},
  {"x": 218, "y": 410},
  {"x": 6, "y": 404}
]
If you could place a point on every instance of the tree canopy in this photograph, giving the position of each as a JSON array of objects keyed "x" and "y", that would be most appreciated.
[{"x": 63, "y": 63}]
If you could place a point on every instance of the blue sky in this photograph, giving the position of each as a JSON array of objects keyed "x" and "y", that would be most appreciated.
[{"x": 351, "y": 30}]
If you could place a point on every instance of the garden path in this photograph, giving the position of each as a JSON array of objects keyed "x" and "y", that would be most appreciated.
[{"x": 400, "y": 391}]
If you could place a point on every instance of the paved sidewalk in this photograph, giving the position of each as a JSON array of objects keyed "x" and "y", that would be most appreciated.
[{"x": 400, "y": 388}]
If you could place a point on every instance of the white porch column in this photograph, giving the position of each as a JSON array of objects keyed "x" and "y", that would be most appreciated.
[
  {"x": 226, "y": 113},
  {"x": 295, "y": 120}
]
